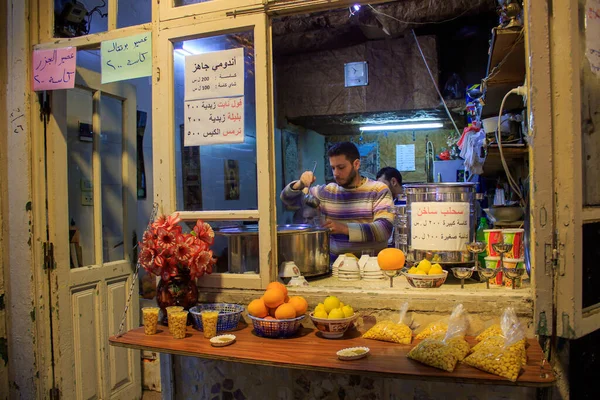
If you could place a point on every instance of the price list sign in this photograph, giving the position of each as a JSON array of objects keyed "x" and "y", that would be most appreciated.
[
  {"x": 126, "y": 58},
  {"x": 441, "y": 226},
  {"x": 214, "y": 98},
  {"x": 214, "y": 121}
]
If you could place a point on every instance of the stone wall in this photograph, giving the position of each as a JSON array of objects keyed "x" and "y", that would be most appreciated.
[{"x": 312, "y": 84}]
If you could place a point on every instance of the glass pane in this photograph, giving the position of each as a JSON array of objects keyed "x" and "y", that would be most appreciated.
[
  {"x": 77, "y": 18},
  {"x": 133, "y": 12},
  {"x": 590, "y": 107},
  {"x": 111, "y": 150},
  {"x": 591, "y": 274},
  {"x": 219, "y": 175},
  {"x": 235, "y": 246},
  {"x": 80, "y": 175}
]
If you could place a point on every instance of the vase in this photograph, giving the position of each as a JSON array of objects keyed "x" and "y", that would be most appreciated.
[{"x": 178, "y": 290}]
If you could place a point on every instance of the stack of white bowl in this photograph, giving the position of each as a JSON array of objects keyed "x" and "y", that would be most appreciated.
[
  {"x": 371, "y": 271},
  {"x": 335, "y": 267},
  {"x": 349, "y": 270}
]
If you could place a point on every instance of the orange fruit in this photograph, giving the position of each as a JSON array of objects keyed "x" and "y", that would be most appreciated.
[
  {"x": 279, "y": 286},
  {"x": 257, "y": 308},
  {"x": 287, "y": 299},
  {"x": 391, "y": 259},
  {"x": 273, "y": 298},
  {"x": 272, "y": 312},
  {"x": 270, "y": 318},
  {"x": 300, "y": 305},
  {"x": 285, "y": 311}
]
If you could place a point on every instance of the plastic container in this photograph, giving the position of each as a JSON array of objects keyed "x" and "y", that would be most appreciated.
[
  {"x": 229, "y": 315},
  {"x": 480, "y": 237},
  {"x": 276, "y": 328}
]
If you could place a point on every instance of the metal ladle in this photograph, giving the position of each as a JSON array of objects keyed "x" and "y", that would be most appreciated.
[{"x": 309, "y": 199}]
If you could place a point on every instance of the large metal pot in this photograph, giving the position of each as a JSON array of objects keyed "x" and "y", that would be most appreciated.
[
  {"x": 306, "y": 245},
  {"x": 441, "y": 219}
]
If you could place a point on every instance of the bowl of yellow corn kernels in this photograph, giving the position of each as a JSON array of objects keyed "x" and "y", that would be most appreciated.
[{"x": 426, "y": 281}]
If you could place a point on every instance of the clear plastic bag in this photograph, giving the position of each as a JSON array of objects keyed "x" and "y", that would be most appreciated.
[
  {"x": 444, "y": 350},
  {"x": 433, "y": 328},
  {"x": 389, "y": 331},
  {"x": 502, "y": 355}
]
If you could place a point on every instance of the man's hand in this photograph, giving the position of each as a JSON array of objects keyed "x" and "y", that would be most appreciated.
[
  {"x": 306, "y": 179},
  {"x": 336, "y": 227}
]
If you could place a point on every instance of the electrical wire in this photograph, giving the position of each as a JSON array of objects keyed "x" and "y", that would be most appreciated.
[
  {"x": 423, "y": 23},
  {"x": 497, "y": 67},
  {"x": 511, "y": 181}
]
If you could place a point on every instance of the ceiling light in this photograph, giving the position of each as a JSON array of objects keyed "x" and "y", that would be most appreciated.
[
  {"x": 356, "y": 7},
  {"x": 401, "y": 127},
  {"x": 179, "y": 49}
]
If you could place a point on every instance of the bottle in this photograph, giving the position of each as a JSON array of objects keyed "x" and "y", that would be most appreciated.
[{"x": 480, "y": 237}]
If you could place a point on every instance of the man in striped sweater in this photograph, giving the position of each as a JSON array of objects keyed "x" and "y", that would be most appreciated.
[{"x": 356, "y": 208}]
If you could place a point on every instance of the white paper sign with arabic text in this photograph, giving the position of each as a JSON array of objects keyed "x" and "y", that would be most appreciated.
[
  {"x": 214, "y": 121},
  {"x": 216, "y": 74},
  {"x": 440, "y": 226}
]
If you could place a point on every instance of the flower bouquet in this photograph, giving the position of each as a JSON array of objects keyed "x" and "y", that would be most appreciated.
[{"x": 178, "y": 258}]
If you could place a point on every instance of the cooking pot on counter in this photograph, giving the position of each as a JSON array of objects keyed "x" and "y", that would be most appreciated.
[{"x": 306, "y": 245}]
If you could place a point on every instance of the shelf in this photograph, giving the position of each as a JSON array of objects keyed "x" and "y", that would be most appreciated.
[
  {"x": 309, "y": 350},
  {"x": 507, "y": 55},
  {"x": 512, "y": 153}
]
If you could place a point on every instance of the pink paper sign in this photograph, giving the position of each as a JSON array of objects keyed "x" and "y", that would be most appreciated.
[{"x": 54, "y": 69}]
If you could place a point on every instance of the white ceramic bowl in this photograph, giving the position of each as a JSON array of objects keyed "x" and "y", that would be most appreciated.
[
  {"x": 353, "y": 353},
  {"x": 222, "y": 340}
]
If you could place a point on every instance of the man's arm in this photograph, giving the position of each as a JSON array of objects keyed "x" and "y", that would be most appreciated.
[{"x": 381, "y": 228}]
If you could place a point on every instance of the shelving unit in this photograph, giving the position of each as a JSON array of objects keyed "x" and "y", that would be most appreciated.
[
  {"x": 506, "y": 63},
  {"x": 515, "y": 155}
]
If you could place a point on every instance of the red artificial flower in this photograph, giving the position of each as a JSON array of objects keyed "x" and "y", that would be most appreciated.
[{"x": 166, "y": 251}]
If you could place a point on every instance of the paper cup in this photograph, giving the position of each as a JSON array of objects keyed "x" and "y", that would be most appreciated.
[
  {"x": 492, "y": 236},
  {"x": 150, "y": 315},
  {"x": 493, "y": 262},
  {"x": 209, "y": 323},
  {"x": 514, "y": 237},
  {"x": 178, "y": 322},
  {"x": 170, "y": 310}
]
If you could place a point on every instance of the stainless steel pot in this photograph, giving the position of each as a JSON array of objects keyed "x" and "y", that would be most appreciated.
[
  {"x": 306, "y": 245},
  {"x": 441, "y": 220}
]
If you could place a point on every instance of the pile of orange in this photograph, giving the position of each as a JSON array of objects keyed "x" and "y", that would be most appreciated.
[{"x": 276, "y": 304}]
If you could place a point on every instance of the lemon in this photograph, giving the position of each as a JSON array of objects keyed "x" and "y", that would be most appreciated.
[
  {"x": 420, "y": 272},
  {"x": 331, "y": 302},
  {"x": 320, "y": 313},
  {"x": 348, "y": 311},
  {"x": 341, "y": 304},
  {"x": 336, "y": 313},
  {"x": 436, "y": 269},
  {"x": 320, "y": 306},
  {"x": 424, "y": 265},
  {"x": 412, "y": 270},
  {"x": 351, "y": 255}
]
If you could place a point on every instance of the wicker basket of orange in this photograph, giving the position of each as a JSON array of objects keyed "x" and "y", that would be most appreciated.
[{"x": 275, "y": 314}]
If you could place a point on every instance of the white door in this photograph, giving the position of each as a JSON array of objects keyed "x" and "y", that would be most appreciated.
[{"x": 91, "y": 150}]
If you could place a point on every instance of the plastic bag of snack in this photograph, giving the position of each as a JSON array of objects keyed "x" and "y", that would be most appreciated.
[
  {"x": 389, "y": 331},
  {"x": 443, "y": 351},
  {"x": 433, "y": 328},
  {"x": 502, "y": 355}
]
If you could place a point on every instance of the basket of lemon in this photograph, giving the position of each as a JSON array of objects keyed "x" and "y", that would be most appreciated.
[
  {"x": 426, "y": 275},
  {"x": 333, "y": 318}
]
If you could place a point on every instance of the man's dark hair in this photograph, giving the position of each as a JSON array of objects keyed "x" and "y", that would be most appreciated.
[
  {"x": 347, "y": 149},
  {"x": 389, "y": 173}
]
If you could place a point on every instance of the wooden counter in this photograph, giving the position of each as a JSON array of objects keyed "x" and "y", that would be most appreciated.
[{"x": 309, "y": 350}]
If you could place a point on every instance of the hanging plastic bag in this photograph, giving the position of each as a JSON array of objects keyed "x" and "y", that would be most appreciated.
[
  {"x": 389, "y": 331},
  {"x": 444, "y": 350}
]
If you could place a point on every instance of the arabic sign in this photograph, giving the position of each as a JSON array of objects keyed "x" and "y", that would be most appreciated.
[
  {"x": 214, "y": 121},
  {"x": 216, "y": 74},
  {"x": 592, "y": 35},
  {"x": 443, "y": 226},
  {"x": 126, "y": 58},
  {"x": 54, "y": 69}
]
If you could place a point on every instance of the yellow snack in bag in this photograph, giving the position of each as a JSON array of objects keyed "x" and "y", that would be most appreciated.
[
  {"x": 498, "y": 341},
  {"x": 505, "y": 362},
  {"x": 458, "y": 346},
  {"x": 434, "y": 353},
  {"x": 433, "y": 328},
  {"x": 389, "y": 331},
  {"x": 493, "y": 330}
]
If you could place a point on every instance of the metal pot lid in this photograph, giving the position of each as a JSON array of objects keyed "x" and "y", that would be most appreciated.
[{"x": 438, "y": 185}]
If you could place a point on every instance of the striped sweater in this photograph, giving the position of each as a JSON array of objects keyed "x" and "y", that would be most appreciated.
[{"x": 364, "y": 209}]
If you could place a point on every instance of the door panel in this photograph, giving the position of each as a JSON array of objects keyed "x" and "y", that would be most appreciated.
[{"x": 92, "y": 170}]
